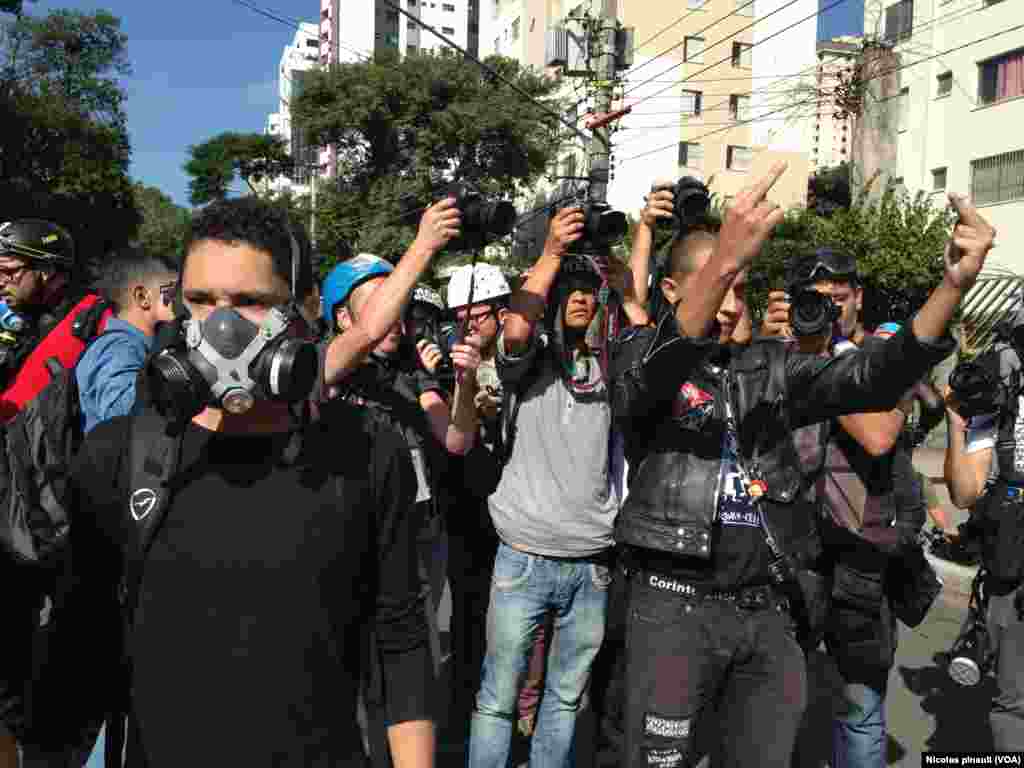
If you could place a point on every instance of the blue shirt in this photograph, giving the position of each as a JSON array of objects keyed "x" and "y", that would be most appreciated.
[{"x": 106, "y": 372}]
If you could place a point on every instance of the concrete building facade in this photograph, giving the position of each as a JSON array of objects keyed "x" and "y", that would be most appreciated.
[
  {"x": 955, "y": 117},
  {"x": 299, "y": 58}
]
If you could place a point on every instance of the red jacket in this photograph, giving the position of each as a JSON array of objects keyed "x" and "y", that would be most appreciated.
[{"x": 33, "y": 376}]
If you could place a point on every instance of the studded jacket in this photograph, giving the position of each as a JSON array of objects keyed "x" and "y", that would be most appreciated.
[{"x": 668, "y": 400}]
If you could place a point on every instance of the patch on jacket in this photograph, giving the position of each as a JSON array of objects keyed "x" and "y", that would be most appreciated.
[
  {"x": 887, "y": 330},
  {"x": 692, "y": 407}
]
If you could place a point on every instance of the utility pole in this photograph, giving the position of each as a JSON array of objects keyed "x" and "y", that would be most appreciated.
[
  {"x": 603, "y": 39},
  {"x": 315, "y": 171}
]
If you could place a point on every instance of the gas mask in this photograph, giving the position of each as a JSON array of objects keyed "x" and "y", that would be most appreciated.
[{"x": 227, "y": 361}]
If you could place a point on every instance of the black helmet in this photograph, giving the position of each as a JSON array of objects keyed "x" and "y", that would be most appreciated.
[{"x": 39, "y": 242}]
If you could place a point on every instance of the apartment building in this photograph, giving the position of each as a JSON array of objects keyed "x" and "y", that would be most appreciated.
[
  {"x": 298, "y": 59},
  {"x": 833, "y": 135},
  {"x": 956, "y": 115}
]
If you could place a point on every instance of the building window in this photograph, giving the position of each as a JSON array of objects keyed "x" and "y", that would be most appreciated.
[
  {"x": 691, "y": 155},
  {"x": 938, "y": 179},
  {"x": 694, "y": 50},
  {"x": 695, "y": 5},
  {"x": 945, "y": 84},
  {"x": 448, "y": 7},
  {"x": 1001, "y": 78},
  {"x": 325, "y": 13},
  {"x": 739, "y": 107},
  {"x": 447, "y": 30},
  {"x": 314, "y": 43},
  {"x": 497, "y": 44},
  {"x": 899, "y": 21},
  {"x": 738, "y": 158},
  {"x": 744, "y": 7},
  {"x": 410, "y": 50},
  {"x": 998, "y": 178},
  {"x": 692, "y": 103},
  {"x": 515, "y": 29},
  {"x": 741, "y": 56}
]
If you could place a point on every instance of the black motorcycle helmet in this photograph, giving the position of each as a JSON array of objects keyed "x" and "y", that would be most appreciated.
[{"x": 42, "y": 244}]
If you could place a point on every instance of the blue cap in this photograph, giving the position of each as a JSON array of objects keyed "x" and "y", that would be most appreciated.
[{"x": 346, "y": 277}]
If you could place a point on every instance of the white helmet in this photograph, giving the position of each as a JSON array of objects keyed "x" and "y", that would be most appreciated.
[{"x": 490, "y": 284}]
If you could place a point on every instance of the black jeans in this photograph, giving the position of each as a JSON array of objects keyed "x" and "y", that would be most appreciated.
[
  {"x": 687, "y": 654},
  {"x": 470, "y": 567}
]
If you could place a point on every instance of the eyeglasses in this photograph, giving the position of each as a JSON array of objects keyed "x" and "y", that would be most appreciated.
[
  {"x": 167, "y": 291},
  {"x": 12, "y": 275},
  {"x": 478, "y": 318}
]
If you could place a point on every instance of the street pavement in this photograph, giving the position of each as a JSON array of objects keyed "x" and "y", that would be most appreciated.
[{"x": 926, "y": 710}]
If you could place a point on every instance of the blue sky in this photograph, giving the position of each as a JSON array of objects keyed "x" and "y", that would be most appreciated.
[
  {"x": 200, "y": 67},
  {"x": 847, "y": 18}
]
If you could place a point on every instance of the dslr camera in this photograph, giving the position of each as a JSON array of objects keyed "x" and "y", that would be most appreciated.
[
  {"x": 423, "y": 320},
  {"x": 978, "y": 387},
  {"x": 811, "y": 313},
  {"x": 690, "y": 204},
  {"x": 483, "y": 220},
  {"x": 602, "y": 226}
]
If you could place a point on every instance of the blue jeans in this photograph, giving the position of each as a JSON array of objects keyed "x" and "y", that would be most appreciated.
[
  {"x": 858, "y": 734},
  {"x": 524, "y": 589}
]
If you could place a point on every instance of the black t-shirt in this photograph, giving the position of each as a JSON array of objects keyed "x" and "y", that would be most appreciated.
[{"x": 248, "y": 636}]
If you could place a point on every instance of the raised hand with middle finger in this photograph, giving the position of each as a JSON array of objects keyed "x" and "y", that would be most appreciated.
[{"x": 971, "y": 240}]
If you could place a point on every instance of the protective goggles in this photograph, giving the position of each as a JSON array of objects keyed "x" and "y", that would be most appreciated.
[{"x": 825, "y": 264}]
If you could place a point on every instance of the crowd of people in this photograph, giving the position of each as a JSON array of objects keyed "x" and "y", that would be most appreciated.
[{"x": 640, "y": 502}]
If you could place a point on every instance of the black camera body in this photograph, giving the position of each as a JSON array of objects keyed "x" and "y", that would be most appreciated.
[
  {"x": 423, "y": 321},
  {"x": 691, "y": 201},
  {"x": 977, "y": 386},
  {"x": 603, "y": 226},
  {"x": 812, "y": 313},
  {"x": 483, "y": 220}
]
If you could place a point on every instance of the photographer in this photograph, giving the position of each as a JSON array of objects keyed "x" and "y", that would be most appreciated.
[
  {"x": 984, "y": 470},
  {"x": 713, "y": 530},
  {"x": 393, "y": 384},
  {"x": 871, "y": 493},
  {"x": 556, "y": 500}
]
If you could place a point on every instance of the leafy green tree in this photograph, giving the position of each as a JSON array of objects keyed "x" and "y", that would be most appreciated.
[
  {"x": 829, "y": 190},
  {"x": 403, "y": 127},
  {"x": 164, "y": 224},
  {"x": 215, "y": 164},
  {"x": 69, "y": 56}
]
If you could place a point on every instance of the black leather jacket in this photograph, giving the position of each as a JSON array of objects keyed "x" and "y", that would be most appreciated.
[{"x": 675, "y": 465}]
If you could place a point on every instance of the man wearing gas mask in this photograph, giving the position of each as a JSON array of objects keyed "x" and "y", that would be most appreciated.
[
  {"x": 859, "y": 468},
  {"x": 243, "y": 539},
  {"x": 714, "y": 529},
  {"x": 984, "y": 470},
  {"x": 555, "y": 502}
]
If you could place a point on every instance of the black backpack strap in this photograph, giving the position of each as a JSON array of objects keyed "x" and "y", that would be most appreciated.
[{"x": 154, "y": 455}]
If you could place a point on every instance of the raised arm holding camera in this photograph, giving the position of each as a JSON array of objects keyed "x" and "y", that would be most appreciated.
[
  {"x": 873, "y": 503},
  {"x": 714, "y": 528},
  {"x": 984, "y": 470}
]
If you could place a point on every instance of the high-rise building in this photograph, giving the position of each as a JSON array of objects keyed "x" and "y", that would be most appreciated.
[
  {"x": 298, "y": 59},
  {"x": 833, "y": 132},
  {"x": 955, "y": 117}
]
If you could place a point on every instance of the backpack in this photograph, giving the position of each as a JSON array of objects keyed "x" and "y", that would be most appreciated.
[{"x": 38, "y": 447}]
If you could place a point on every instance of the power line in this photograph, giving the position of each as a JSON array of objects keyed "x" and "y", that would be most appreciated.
[
  {"x": 496, "y": 75},
  {"x": 677, "y": 21},
  {"x": 752, "y": 46},
  {"x": 876, "y": 77},
  {"x": 738, "y": 124}
]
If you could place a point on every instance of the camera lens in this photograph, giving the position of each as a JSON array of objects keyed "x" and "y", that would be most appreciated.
[{"x": 812, "y": 313}]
